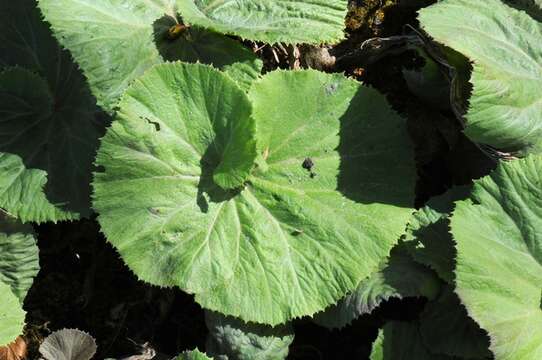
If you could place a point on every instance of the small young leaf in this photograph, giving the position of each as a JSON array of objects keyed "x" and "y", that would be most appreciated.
[{"x": 499, "y": 257}]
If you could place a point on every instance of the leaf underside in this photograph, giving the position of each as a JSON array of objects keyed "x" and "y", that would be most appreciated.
[
  {"x": 504, "y": 45},
  {"x": 68, "y": 344},
  {"x": 499, "y": 257}
]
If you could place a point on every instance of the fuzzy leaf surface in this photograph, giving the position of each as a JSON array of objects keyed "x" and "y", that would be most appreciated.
[
  {"x": 499, "y": 257},
  {"x": 11, "y": 315},
  {"x": 504, "y": 45},
  {"x": 115, "y": 41},
  {"x": 286, "y": 21},
  {"x": 231, "y": 338},
  {"x": 398, "y": 277},
  {"x": 284, "y": 244},
  {"x": 19, "y": 258}
]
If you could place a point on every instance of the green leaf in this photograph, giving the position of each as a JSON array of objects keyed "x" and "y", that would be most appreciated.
[
  {"x": 230, "y": 338},
  {"x": 398, "y": 277},
  {"x": 507, "y": 72},
  {"x": 427, "y": 236},
  {"x": 401, "y": 341},
  {"x": 193, "y": 355},
  {"x": 286, "y": 243},
  {"x": 11, "y": 315},
  {"x": 46, "y": 150},
  {"x": 446, "y": 329},
  {"x": 115, "y": 41},
  {"x": 499, "y": 256},
  {"x": 286, "y": 21},
  {"x": 19, "y": 259}
]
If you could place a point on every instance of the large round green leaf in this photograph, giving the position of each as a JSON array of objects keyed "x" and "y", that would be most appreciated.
[
  {"x": 46, "y": 149},
  {"x": 504, "y": 45},
  {"x": 287, "y": 241},
  {"x": 499, "y": 257},
  {"x": 287, "y": 21},
  {"x": 115, "y": 41},
  {"x": 19, "y": 259},
  {"x": 11, "y": 315}
]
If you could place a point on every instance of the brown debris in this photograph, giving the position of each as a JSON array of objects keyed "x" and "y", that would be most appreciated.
[{"x": 17, "y": 350}]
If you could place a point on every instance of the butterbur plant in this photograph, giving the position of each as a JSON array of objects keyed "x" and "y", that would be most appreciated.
[
  {"x": 220, "y": 203},
  {"x": 247, "y": 194}
]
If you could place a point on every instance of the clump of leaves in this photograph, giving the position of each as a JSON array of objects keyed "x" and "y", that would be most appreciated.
[{"x": 273, "y": 197}]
